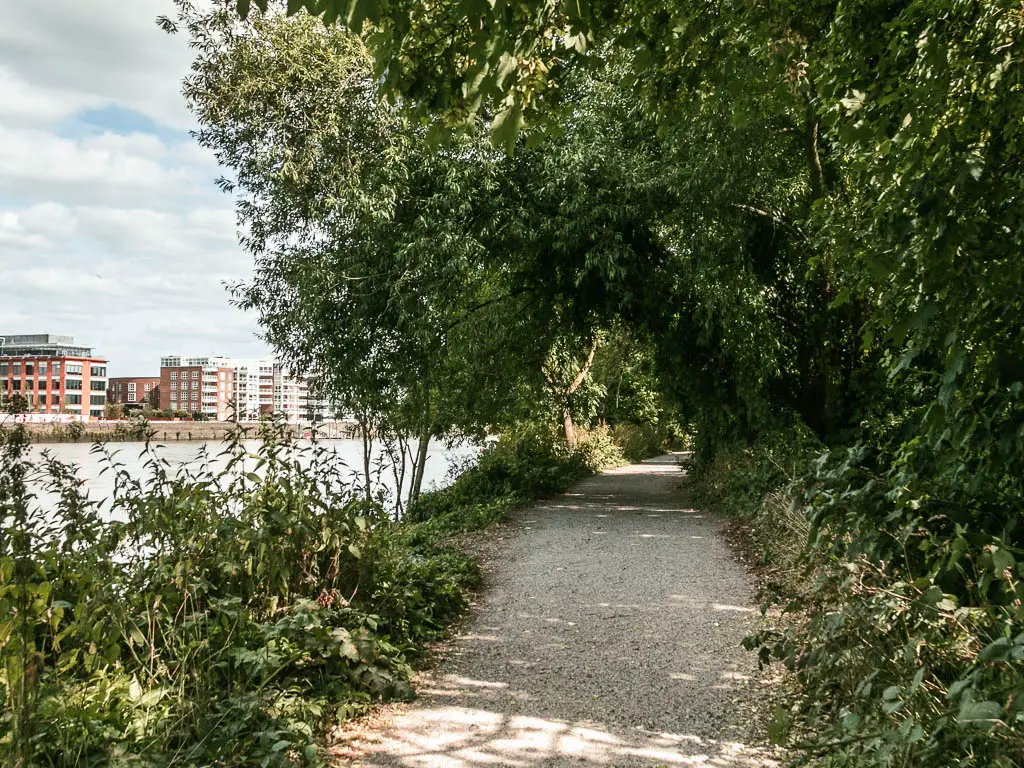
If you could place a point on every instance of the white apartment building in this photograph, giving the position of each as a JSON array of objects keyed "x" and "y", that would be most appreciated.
[{"x": 229, "y": 389}]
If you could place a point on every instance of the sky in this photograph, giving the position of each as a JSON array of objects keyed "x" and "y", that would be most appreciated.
[{"x": 111, "y": 228}]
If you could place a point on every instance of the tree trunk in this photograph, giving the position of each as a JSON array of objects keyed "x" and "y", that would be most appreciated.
[
  {"x": 398, "y": 469},
  {"x": 367, "y": 452},
  {"x": 570, "y": 428},
  {"x": 421, "y": 462},
  {"x": 565, "y": 395}
]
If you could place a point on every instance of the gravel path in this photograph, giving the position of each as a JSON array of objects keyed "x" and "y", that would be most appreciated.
[{"x": 609, "y": 635}]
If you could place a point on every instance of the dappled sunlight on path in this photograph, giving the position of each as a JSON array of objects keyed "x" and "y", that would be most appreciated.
[
  {"x": 461, "y": 737},
  {"x": 609, "y": 635}
]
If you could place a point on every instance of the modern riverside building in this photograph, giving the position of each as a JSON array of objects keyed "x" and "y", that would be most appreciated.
[
  {"x": 54, "y": 374},
  {"x": 134, "y": 391},
  {"x": 198, "y": 385},
  {"x": 230, "y": 389}
]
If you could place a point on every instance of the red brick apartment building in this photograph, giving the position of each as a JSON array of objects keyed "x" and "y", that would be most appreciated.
[
  {"x": 198, "y": 385},
  {"x": 140, "y": 391},
  {"x": 54, "y": 374}
]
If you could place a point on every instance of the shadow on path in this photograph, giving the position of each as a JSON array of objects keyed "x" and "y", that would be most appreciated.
[{"x": 609, "y": 635}]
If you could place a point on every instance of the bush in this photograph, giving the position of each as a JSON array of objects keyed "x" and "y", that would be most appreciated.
[
  {"x": 904, "y": 631},
  {"x": 209, "y": 616},
  {"x": 523, "y": 465},
  {"x": 597, "y": 449},
  {"x": 643, "y": 441}
]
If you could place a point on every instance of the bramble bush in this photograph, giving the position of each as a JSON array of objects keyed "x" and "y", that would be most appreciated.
[{"x": 642, "y": 441}]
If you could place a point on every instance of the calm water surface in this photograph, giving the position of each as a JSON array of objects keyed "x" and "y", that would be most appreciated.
[{"x": 100, "y": 485}]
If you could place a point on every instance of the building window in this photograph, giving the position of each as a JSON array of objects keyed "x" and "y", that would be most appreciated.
[
  {"x": 73, "y": 368},
  {"x": 42, "y": 399},
  {"x": 30, "y": 369},
  {"x": 55, "y": 372},
  {"x": 195, "y": 374},
  {"x": 174, "y": 386},
  {"x": 73, "y": 384},
  {"x": 42, "y": 368},
  {"x": 98, "y": 386},
  {"x": 145, "y": 387},
  {"x": 16, "y": 369},
  {"x": 96, "y": 413},
  {"x": 131, "y": 386},
  {"x": 16, "y": 384},
  {"x": 30, "y": 384},
  {"x": 55, "y": 399},
  {"x": 3, "y": 369},
  {"x": 195, "y": 385},
  {"x": 97, "y": 399},
  {"x": 174, "y": 375},
  {"x": 73, "y": 400},
  {"x": 98, "y": 370}
]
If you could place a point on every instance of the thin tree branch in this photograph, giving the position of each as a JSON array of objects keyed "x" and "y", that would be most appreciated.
[{"x": 584, "y": 370}]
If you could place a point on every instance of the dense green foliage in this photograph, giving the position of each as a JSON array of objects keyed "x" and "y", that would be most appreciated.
[
  {"x": 808, "y": 215},
  {"x": 383, "y": 246}
]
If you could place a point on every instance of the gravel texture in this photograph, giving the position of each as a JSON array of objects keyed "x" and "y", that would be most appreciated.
[{"x": 609, "y": 635}]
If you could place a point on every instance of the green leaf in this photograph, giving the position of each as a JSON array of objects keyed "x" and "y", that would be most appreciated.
[
  {"x": 959, "y": 687},
  {"x": 850, "y": 721},
  {"x": 136, "y": 634},
  {"x": 506, "y": 68},
  {"x": 780, "y": 725},
  {"x": 506, "y": 128},
  {"x": 1002, "y": 560},
  {"x": 918, "y": 679},
  {"x": 997, "y": 651},
  {"x": 973, "y": 711}
]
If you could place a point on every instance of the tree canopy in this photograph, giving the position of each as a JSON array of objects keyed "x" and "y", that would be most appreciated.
[{"x": 804, "y": 217}]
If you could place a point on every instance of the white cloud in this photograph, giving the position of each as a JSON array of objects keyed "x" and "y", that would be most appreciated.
[
  {"x": 25, "y": 105},
  {"x": 102, "y": 51},
  {"x": 112, "y": 233},
  {"x": 115, "y": 169}
]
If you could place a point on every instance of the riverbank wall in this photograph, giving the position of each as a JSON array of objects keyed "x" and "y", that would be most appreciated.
[{"x": 169, "y": 431}]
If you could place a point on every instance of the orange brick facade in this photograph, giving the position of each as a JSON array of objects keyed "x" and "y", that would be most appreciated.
[{"x": 53, "y": 375}]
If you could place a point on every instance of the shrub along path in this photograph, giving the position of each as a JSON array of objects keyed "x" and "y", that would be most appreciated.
[{"x": 609, "y": 635}]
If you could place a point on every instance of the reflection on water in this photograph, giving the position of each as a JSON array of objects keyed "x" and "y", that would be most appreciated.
[{"x": 100, "y": 484}]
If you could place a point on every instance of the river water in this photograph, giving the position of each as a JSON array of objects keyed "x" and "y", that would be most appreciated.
[{"x": 100, "y": 485}]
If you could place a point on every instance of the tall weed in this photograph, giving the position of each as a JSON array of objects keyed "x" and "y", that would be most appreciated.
[{"x": 219, "y": 614}]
